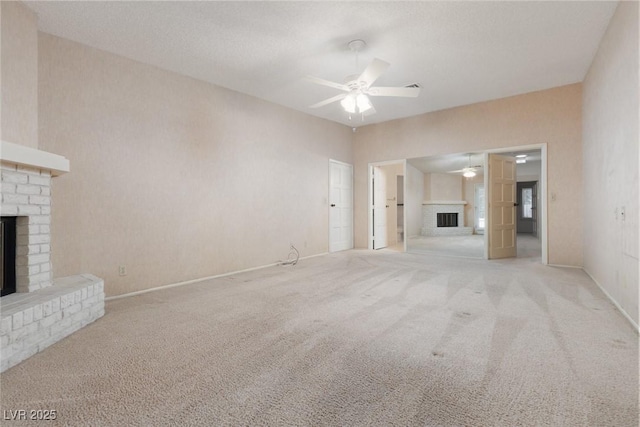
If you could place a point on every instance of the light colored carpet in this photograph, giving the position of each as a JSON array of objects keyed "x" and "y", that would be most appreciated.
[
  {"x": 458, "y": 246},
  {"x": 353, "y": 338},
  {"x": 471, "y": 246}
]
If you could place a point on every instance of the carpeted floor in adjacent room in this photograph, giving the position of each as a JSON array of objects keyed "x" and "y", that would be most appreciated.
[{"x": 352, "y": 338}]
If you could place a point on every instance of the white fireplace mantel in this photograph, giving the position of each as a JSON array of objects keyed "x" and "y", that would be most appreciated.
[{"x": 27, "y": 156}]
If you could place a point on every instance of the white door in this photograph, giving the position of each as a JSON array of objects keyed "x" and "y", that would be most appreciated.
[
  {"x": 340, "y": 206},
  {"x": 379, "y": 208},
  {"x": 502, "y": 206}
]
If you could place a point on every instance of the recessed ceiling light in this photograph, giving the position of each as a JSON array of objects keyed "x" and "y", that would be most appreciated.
[{"x": 520, "y": 156}]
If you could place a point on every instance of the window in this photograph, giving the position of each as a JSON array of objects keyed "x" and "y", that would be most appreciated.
[
  {"x": 527, "y": 202},
  {"x": 479, "y": 214}
]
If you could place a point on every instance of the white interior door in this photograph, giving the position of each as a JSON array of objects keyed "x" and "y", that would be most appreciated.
[
  {"x": 340, "y": 206},
  {"x": 502, "y": 206},
  {"x": 379, "y": 208}
]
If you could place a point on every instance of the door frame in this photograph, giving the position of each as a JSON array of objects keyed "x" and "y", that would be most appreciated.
[
  {"x": 370, "y": 224},
  {"x": 338, "y": 162},
  {"x": 542, "y": 191}
]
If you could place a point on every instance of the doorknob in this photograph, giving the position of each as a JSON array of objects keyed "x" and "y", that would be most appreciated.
[
  {"x": 333, "y": 205},
  {"x": 516, "y": 204}
]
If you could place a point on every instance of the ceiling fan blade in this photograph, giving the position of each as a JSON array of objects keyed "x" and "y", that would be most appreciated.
[
  {"x": 323, "y": 82},
  {"x": 408, "y": 92},
  {"x": 373, "y": 71},
  {"x": 458, "y": 171},
  {"x": 329, "y": 101}
]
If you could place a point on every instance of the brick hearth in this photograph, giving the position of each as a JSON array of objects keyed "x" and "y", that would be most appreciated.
[{"x": 42, "y": 311}]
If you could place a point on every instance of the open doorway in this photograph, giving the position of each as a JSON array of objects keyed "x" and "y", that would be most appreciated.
[
  {"x": 526, "y": 215},
  {"x": 449, "y": 205},
  {"x": 442, "y": 182},
  {"x": 529, "y": 200},
  {"x": 386, "y": 213}
]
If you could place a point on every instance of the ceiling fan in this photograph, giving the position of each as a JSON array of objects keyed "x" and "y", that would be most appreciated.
[
  {"x": 469, "y": 171},
  {"x": 358, "y": 88}
]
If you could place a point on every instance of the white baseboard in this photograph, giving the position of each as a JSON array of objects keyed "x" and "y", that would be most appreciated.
[
  {"x": 614, "y": 302},
  {"x": 202, "y": 279}
]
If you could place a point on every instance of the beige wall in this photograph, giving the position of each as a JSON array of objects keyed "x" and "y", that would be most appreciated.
[
  {"x": 469, "y": 195},
  {"x": 174, "y": 178},
  {"x": 444, "y": 186},
  {"x": 610, "y": 129},
  {"x": 551, "y": 116},
  {"x": 427, "y": 187},
  {"x": 19, "y": 74},
  {"x": 413, "y": 198}
]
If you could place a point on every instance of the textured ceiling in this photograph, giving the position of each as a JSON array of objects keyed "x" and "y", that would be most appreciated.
[
  {"x": 456, "y": 162},
  {"x": 459, "y": 52}
]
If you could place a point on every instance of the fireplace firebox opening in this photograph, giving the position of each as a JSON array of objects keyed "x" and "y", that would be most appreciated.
[
  {"x": 7, "y": 255},
  {"x": 447, "y": 219}
]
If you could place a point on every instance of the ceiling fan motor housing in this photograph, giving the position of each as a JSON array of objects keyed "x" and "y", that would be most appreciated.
[{"x": 357, "y": 45}]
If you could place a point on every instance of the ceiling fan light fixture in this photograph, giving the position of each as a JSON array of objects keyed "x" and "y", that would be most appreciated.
[
  {"x": 349, "y": 104},
  {"x": 363, "y": 103},
  {"x": 469, "y": 174},
  {"x": 521, "y": 160},
  {"x": 359, "y": 87}
]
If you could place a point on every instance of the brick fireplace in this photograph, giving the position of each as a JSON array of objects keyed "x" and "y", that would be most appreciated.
[
  {"x": 43, "y": 310},
  {"x": 26, "y": 196},
  {"x": 433, "y": 210}
]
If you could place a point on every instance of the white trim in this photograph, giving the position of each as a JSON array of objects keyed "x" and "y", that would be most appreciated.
[
  {"x": 543, "y": 206},
  {"x": 370, "y": 207},
  {"x": 387, "y": 162},
  {"x": 487, "y": 216},
  {"x": 202, "y": 279},
  {"x": 341, "y": 163},
  {"x": 614, "y": 302},
  {"x": 404, "y": 211},
  {"x": 23, "y": 155}
]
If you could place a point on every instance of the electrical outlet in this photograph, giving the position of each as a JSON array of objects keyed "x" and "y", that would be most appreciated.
[{"x": 122, "y": 270}]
